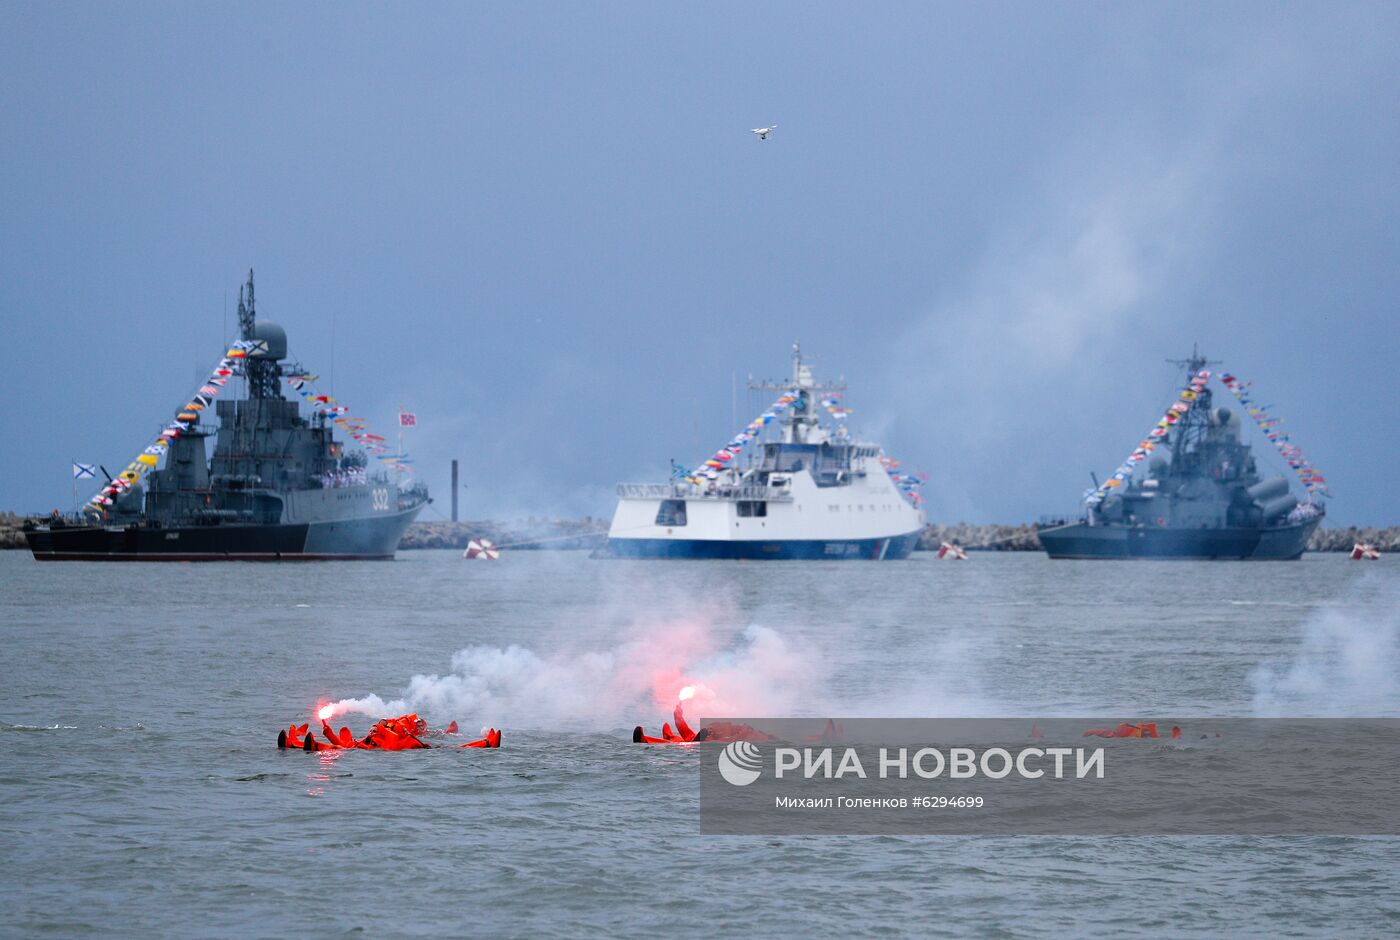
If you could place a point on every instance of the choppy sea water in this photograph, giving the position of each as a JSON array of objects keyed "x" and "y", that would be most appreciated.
[{"x": 141, "y": 792}]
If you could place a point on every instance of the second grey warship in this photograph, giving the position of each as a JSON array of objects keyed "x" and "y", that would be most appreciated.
[
  {"x": 278, "y": 484},
  {"x": 1202, "y": 496}
]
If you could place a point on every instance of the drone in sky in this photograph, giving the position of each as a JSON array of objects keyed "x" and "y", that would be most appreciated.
[{"x": 763, "y": 132}]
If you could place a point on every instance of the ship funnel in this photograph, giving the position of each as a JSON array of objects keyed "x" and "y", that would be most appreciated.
[
  {"x": 1275, "y": 508},
  {"x": 1265, "y": 490}
]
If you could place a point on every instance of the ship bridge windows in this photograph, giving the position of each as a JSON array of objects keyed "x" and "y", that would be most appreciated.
[
  {"x": 829, "y": 464},
  {"x": 671, "y": 512}
]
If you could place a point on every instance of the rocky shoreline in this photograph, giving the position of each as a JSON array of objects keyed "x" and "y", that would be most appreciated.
[
  {"x": 531, "y": 533},
  {"x": 588, "y": 533},
  {"x": 1022, "y": 538},
  {"x": 10, "y": 535},
  {"x": 980, "y": 538}
]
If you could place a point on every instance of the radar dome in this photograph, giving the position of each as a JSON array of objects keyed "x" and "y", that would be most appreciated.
[
  {"x": 274, "y": 336},
  {"x": 1231, "y": 422}
]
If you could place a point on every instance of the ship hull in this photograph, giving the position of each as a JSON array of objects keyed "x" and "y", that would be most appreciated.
[
  {"x": 1083, "y": 541},
  {"x": 349, "y": 539},
  {"x": 890, "y": 548},
  {"x": 864, "y": 519}
]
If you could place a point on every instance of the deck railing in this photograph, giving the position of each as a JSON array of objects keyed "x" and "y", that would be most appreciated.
[{"x": 772, "y": 494}]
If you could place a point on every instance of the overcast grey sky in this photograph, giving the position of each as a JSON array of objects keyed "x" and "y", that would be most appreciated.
[{"x": 548, "y": 231}]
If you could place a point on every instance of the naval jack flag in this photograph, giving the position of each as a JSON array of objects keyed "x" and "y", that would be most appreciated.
[{"x": 81, "y": 471}]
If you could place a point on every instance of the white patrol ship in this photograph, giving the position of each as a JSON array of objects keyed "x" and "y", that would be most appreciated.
[{"x": 814, "y": 493}]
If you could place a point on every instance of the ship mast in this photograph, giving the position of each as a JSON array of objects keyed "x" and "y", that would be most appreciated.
[
  {"x": 262, "y": 373},
  {"x": 1195, "y": 363},
  {"x": 801, "y": 420},
  {"x": 1191, "y": 430}
]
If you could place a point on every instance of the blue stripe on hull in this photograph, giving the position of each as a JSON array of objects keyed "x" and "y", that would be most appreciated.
[{"x": 892, "y": 548}]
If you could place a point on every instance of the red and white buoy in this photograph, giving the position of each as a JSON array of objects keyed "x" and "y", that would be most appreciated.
[
  {"x": 1366, "y": 551},
  {"x": 950, "y": 552},
  {"x": 482, "y": 548}
]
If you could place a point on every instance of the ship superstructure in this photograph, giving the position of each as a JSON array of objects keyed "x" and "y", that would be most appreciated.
[{"x": 813, "y": 493}]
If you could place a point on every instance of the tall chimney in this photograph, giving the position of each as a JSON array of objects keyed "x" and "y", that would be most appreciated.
[{"x": 454, "y": 491}]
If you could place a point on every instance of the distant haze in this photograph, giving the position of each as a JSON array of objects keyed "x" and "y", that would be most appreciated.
[{"x": 548, "y": 231}]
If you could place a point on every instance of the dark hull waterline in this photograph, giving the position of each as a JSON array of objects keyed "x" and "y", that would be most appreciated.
[
  {"x": 352, "y": 539},
  {"x": 1082, "y": 541}
]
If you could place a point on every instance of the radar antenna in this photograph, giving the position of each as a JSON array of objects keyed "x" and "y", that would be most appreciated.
[
  {"x": 1194, "y": 364},
  {"x": 262, "y": 373},
  {"x": 246, "y": 313}
]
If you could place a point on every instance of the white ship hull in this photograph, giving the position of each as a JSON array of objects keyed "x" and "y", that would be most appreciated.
[{"x": 864, "y": 517}]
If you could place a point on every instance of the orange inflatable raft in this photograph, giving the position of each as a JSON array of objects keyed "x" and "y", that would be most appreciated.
[
  {"x": 1142, "y": 729},
  {"x": 714, "y": 731},
  {"x": 403, "y": 733}
]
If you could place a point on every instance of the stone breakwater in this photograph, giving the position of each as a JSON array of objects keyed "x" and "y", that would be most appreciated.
[
  {"x": 10, "y": 535},
  {"x": 1341, "y": 540},
  {"x": 532, "y": 533},
  {"x": 588, "y": 533},
  {"x": 981, "y": 538},
  {"x": 1022, "y": 538}
]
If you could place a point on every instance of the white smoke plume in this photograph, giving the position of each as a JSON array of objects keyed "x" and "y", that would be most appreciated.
[
  {"x": 637, "y": 680},
  {"x": 1348, "y": 662}
]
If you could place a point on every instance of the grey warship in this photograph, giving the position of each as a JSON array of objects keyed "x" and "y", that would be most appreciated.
[
  {"x": 278, "y": 486},
  {"x": 1206, "y": 499}
]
